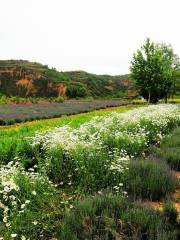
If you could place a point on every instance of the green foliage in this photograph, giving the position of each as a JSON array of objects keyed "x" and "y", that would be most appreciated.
[
  {"x": 37, "y": 206},
  {"x": 28, "y": 100},
  {"x": 75, "y": 171},
  {"x": 55, "y": 76},
  {"x": 170, "y": 150},
  {"x": 171, "y": 155},
  {"x": 45, "y": 210},
  {"x": 114, "y": 217},
  {"x": 170, "y": 213},
  {"x": 174, "y": 100},
  {"x": 175, "y": 89},
  {"x": 99, "y": 85},
  {"x": 77, "y": 90},
  {"x": 152, "y": 69},
  {"x": 149, "y": 179},
  {"x": 59, "y": 99},
  {"x": 120, "y": 94}
]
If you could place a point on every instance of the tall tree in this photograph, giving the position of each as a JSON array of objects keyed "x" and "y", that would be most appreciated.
[{"x": 152, "y": 69}]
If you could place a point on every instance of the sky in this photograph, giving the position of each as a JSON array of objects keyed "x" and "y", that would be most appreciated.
[{"x": 97, "y": 36}]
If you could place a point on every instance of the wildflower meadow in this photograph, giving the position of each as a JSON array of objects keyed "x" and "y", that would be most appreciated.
[{"x": 68, "y": 183}]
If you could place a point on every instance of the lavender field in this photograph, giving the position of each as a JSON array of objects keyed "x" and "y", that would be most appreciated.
[{"x": 10, "y": 114}]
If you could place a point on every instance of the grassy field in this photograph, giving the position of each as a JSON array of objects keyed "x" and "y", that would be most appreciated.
[
  {"x": 88, "y": 176},
  {"x": 10, "y": 114}
]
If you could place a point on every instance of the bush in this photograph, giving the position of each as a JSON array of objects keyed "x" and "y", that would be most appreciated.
[
  {"x": 149, "y": 179},
  {"x": 170, "y": 155},
  {"x": 74, "y": 91},
  {"x": 2, "y": 122},
  {"x": 59, "y": 99},
  {"x": 172, "y": 140},
  {"x": 170, "y": 213},
  {"x": 114, "y": 217},
  {"x": 120, "y": 94},
  {"x": 170, "y": 149},
  {"x": 139, "y": 102},
  {"x": 33, "y": 204},
  {"x": 84, "y": 171}
]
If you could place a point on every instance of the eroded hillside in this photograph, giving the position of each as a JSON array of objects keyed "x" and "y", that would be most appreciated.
[{"x": 30, "y": 79}]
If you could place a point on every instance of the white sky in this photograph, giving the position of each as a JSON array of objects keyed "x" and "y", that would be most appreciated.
[{"x": 97, "y": 36}]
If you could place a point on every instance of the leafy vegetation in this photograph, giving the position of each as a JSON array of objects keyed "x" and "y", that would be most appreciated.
[
  {"x": 175, "y": 89},
  {"x": 77, "y": 181},
  {"x": 114, "y": 217},
  {"x": 152, "y": 69},
  {"x": 149, "y": 179},
  {"x": 29, "y": 100},
  {"x": 170, "y": 150}
]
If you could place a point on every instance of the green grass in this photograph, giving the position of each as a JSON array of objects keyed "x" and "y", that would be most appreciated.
[{"x": 174, "y": 100}]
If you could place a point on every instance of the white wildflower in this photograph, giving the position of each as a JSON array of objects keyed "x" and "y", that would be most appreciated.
[
  {"x": 34, "y": 193},
  {"x": 13, "y": 235}
]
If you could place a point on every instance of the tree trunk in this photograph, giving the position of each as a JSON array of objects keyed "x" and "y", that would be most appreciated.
[
  {"x": 149, "y": 97},
  {"x": 165, "y": 99}
]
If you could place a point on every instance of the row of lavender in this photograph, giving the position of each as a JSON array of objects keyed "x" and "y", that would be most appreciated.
[{"x": 10, "y": 114}]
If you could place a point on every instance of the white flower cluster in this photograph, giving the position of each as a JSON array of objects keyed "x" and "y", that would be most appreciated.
[
  {"x": 122, "y": 135},
  {"x": 140, "y": 125},
  {"x": 7, "y": 189},
  {"x": 10, "y": 196},
  {"x": 120, "y": 162}
]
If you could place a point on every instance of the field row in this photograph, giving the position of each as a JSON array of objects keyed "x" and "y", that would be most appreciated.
[{"x": 10, "y": 114}]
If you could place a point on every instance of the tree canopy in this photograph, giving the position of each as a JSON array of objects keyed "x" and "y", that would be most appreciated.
[{"x": 152, "y": 69}]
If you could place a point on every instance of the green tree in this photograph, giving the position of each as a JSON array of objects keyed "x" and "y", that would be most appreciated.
[
  {"x": 152, "y": 69},
  {"x": 175, "y": 88},
  {"x": 77, "y": 90}
]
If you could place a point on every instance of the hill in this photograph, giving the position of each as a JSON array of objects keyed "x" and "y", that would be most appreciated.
[{"x": 30, "y": 79}]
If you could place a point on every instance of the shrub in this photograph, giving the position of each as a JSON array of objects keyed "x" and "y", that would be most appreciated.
[
  {"x": 85, "y": 171},
  {"x": 114, "y": 217},
  {"x": 59, "y": 99},
  {"x": 170, "y": 149},
  {"x": 170, "y": 155},
  {"x": 28, "y": 204},
  {"x": 2, "y": 122},
  {"x": 120, "y": 94},
  {"x": 149, "y": 179},
  {"x": 170, "y": 213},
  {"x": 171, "y": 140},
  {"x": 27, "y": 155},
  {"x": 78, "y": 90}
]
